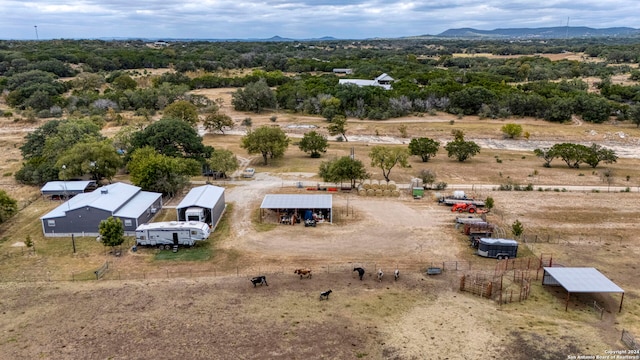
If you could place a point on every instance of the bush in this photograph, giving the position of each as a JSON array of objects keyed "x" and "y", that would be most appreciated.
[
  {"x": 441, "y": 185},
  {"x": 273, "y": 118},
  {"x": 247, "y": 121}
]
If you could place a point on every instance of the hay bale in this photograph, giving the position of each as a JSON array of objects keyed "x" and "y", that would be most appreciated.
[
  {"x": 367, "y": 184},
  {"x": 375, "y": 184},
  {"x": 386, "y": 192},
  {"x": 395, "y": 193},
  {"x": 362, "y": 192},
  {"x": 391, "y": 185},
  {"x": 371, "y": 192},
  {"x": 379, "y": 192}
]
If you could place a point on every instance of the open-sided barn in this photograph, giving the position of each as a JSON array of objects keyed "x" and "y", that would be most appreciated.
[
  {"x": 67, "y": 189},
  {"x": 203, "y": 203},
  {"x": 82, "y": 214},
  {"x": 300, "y": 206}
]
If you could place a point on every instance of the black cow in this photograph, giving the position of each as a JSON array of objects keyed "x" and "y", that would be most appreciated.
[
  {"x": 325, "y": 295},
  {"x": 360, "y": 272},
  {"x": 262, "y": 280}
]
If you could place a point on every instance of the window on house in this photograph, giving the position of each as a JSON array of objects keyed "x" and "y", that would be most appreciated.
[
  {"x": 51, "y": 223},
  {"x": 127, "y": 222}
]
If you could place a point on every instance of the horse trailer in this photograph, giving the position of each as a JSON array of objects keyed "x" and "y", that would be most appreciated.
[
  {"x": 172, "y": 233},
  {"x": 497, "y": 248}
]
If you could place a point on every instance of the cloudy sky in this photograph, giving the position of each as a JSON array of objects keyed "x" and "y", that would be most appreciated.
[{"x": 358, "y": 19}]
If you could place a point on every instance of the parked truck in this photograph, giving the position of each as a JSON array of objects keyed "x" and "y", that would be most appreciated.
[
  {"x": 172, "y": 233},
  {"x": 457, "y": 198}
]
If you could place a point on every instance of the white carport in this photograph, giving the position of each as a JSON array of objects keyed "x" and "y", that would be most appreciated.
[
  {"x": 580, "y": 280},
  {"x": 299, "y": 202}
]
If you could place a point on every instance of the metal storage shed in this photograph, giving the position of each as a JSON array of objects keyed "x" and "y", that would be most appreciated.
[
  {"x": 208, "y": 197},
  {"x": 299, "y": 202},
  {"x": 580, "y": 280},
  {"x": 67, "y": 188},
  {"x": 82, "y": 214}
]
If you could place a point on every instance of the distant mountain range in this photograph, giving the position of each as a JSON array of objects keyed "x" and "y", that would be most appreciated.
[{"x": 558, "y": 32}]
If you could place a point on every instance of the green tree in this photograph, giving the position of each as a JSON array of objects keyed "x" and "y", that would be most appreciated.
[
  {"x": 511, "y": 130},
  {"x": 424, "y": 147},
  {"x": 571, "y": 154},
  {"x": 489, "y": 203},
  {"x": 342, "y": 169},
  {"x": 428, "y": 177},
  {"x": 224, "y": 161},
  {"x": 546, "y": 154},
  {"x": 313, "y": 143},
  {"x": 338, "y": 126},
  {"x": 386, "y": 158},
  {"x": 270, "y": 142},
  {"x": 517, "y": 228},
  {"x": 111, "y": 231},
  {"x": 254, "y": 97},
  {"x": 599, "y": 154},
  {"x": 153, "y": 171},
  {"x": 217, "y": 122},
  {"x": 634, "y": 114},
  {"x": 173, "y": 138},
  {"x": 97, "y": 158},
  {"x": 124, "y": 82},
  {"x": 462, "y": 150},
  {"x": 183, "y": 110},
  {"x": 8, "y": 206}
]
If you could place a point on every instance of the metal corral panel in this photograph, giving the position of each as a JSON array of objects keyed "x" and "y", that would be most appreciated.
[
  {"x": 297, "y": 201},
  {"x": 580, "y": 280}
]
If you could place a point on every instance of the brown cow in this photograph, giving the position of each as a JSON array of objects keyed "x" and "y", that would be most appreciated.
[{"x": 303, "y": 272}]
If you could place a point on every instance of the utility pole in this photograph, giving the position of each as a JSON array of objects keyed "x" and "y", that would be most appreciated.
[{"x": 36, "y": 27}]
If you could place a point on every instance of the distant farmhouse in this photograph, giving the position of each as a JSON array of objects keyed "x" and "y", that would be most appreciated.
[
  {"x": 82, "y": 214},
  {"x": 384, "y": 81},
  {"x": 342, "y": 71}
]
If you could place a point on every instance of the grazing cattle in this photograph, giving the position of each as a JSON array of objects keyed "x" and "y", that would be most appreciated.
[
  {"x": 325, "y": 295},
  {"x": 396, "y": 274},
  {"x": 360, "y": 272},
  {"x": 303, "y": 272},
  {"x": 380, "y": 274},
  {"x": 262, "y": 280}
]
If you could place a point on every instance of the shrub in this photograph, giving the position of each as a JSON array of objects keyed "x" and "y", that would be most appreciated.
[
  {"x": 247, "y": 121},
  {"x": 273, "y": 118},
  {"x": 441, "y": 185}
]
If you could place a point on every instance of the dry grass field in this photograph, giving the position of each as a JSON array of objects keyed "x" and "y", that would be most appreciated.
[{"x": 200, "y": 304}]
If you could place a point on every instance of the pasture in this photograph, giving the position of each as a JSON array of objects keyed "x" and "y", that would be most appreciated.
[{"x": 152, "y": 304}]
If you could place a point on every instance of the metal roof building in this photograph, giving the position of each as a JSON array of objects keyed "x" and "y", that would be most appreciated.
[
  {"x": 81, "y": 215},
  {"x": 207, "y": 197},
  {"x": 66, "y": 188},
  {"x": 580, "y": 280},
  {"x": 299, "y": 203}
]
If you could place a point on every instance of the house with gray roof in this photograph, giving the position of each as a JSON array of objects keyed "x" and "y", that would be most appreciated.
[
  {"x": 384, "y": 81},
  {"x": 82, "y": 214},
  {"x": 207, "y": 200}
]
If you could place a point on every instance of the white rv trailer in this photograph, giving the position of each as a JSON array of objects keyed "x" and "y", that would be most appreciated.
[{"x": 170, "y": 233}]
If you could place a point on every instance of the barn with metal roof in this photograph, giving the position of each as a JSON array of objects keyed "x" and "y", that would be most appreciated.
[
  {"x": 303, "y": 206},
  {"x": 66, "y": 189},
  {"x": 82, "y": 214},
  {"x": 580, "y": 280},
  {"x": 203, "y": 203}
]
